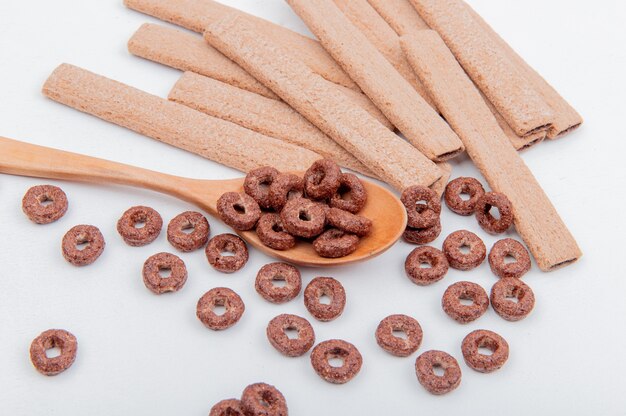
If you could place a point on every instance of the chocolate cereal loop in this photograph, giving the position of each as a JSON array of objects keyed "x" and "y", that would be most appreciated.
[
  {"x": 503, "y": 293},
  {"x": 459, "y": 186},
  {"x": 303, "y": 218},
  {"x": 486, "y": 220},
  {"x": 44, "y": 204},
  {"x": 87, "y": 236},
  {"x": 433, "y": 383},
  {"x": 135, "y": 235},
  {"x": 164, "y": 262},
  {"x": 501, "y": 250},
  {"x": 351, "y": 195},
  {"x": 229, "y": 243},
  {"x": 262, "y": 399},
  {"x": 53, "y": 338},
  {"x": 421, "y": 215},
  {"x": 422, "y": 235},
  {"x": 322, "y": 179},
  {"x": 296, "y": 347},
  {"x": 220, "y": 297},
  {"x": 436, "y": 262},
  {"x": 272, "y": 233},
  {"x": 228, "y": 407},
  {"x": 257, "y": 185},
  {"x": 453, "y": 247},
  {"x": 348, "y": 222},
  {"x": 335, "y": 243},
  {"x": 452, "y": 305},
  {"x": 239, "y": 211},
  {"x": 395, "y": 345},
  {"x": 328, "y": 287},
  {"x": 188, "y": 241},
  {"x": 482, "y": 338},
  {"x": 336, "y": 349},
  {"x": 275, "y": 272},
  {"x": 286, "y": 186}
]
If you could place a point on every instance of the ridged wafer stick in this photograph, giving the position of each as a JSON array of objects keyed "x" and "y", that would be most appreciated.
[
  {"x": 487, "y": 65},
  {"x": 440, "y": 186},
  {"x": 536, "y": 219},
  {"x": 400, "y": 15},
  {"x": 195, "y": 15},
  {"x": 269, "y": 117},
  {"x": 392, "y": 159},
  {"x": 172, "y": 123},
  {"x": 391, "y": 93},
  {"x": 189, "y": 52}
]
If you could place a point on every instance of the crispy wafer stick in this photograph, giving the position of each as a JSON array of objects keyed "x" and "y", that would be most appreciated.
[
  {"x": 567, "y": 118},
  {"x": 378, "y": 32},
  {"x": 392, "y": 159},
  {"x": 486, "y": 63},
  {"x": 189, "y": 52},
  {"x": 172, "y": 123},
  {"x": 536, "y": 219},
  {"x": 440, "y": 186},
  {"x": 195, "y": 15},
  {"x": 391, "y": 93},
  {"x": 400, "y": 15},
  {"x": 269, "y": 117}
]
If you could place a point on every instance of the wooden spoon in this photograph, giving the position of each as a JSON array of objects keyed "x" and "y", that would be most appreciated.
[{"x": 383, "y": 208}]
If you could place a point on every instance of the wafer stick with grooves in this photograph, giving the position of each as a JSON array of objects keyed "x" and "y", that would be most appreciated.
[
  {"x": 536, "y": 219},
  {"x": 392, "y": 159},
  {"x": 172, "y": 123},
  {"x": 195, "y": 15},
  {"x": 269, "y": 117},
  {"x": 380, "y": 81}
]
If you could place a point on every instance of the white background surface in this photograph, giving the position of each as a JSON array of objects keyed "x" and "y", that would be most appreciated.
[{"x": 144, "y": 354}]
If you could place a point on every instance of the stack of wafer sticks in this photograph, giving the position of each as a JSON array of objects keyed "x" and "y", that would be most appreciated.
[{"x": 432, "y": 69}]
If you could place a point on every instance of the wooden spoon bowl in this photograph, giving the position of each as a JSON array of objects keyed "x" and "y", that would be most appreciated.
[{"x": 383, "y": 208}]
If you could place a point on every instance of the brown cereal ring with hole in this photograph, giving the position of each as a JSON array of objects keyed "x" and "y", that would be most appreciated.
[
  {"x": 239, "y": 211},
  {"x": 452, "y": 306},
  {"x": 455, "y": 242},
  {"x": 44, "y": 204},
  {"x": 421, "y": 215},
  {"x": 486, "y": 220},
  {"x": 433, "y": 383},
  {"x": 400, "y": 347},
  {"x": 329, "y": 287},
  {"x": 424, "y": 276},
  {"x": 482, "y": 338},
  {"x": 79, "y": 235},
  {"x": 272, "y": 233},
  {"x": 335, "y": 243},
  {"x": 348, "y": 222},
  {"x": 226, "y": 243},
  {"x": 322, "y": 179},
  {"x": 159, "y": 284},
  {"x": 463, "y": 185},
  {"x": 257, "y": 185},
  {"x": 351, "y": 195},
  {"x": 53, "y": 338},
  {"x": 188, "y": 241},
  {"x": 275, "y": 272},
  {"x": 262, "y": 399},
  {"x": 296, "y": 347},
  {"x": 285, "y": 187},
  {"x": 422, "y": 235},
  {"x": 336, "y": 349},
  {"x": 501, "y": 250},
  {"x": 228, "y": 407},
  {"x": 506, "y": 289},
  {"x": 220, "y": 296},
  {"x": 139, "y": 236},
  {"x": 303, "y": 218}
]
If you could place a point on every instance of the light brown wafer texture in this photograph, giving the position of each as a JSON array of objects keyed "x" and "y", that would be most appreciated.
[
  {"x": 189, "y": 52},
  {"x": 392, "y": 159},
  {"x": 172, "y": 123},
  {"x": 567, "y": 118},
  {"x": 487, "y": 65},
  {"x": 536, "y": 219},
  {"x": 446, "y": 171},
  {"x": 400, "y": 15},
  {"x": 195, "y": 15},
  {"x": 380, "y": 81},
  {"x": 266, "y": 116}
]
